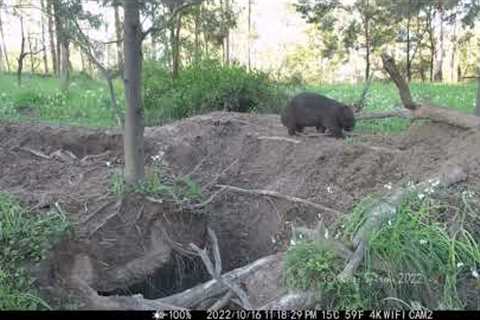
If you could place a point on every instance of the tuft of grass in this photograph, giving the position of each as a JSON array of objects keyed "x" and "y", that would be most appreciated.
[
  {"x": 25, "y": 239},
  {"x": 416, "y": 259},
  {"x": 160, "y": 183}
]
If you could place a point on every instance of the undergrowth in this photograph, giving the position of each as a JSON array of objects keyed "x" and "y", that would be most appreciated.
[
  {"x": 25, "y": 239},
  {"x": 428, "y": 256}
]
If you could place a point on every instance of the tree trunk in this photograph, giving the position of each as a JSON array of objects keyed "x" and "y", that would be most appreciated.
[
  {"x": 4, "y": 45},
  {"x": 249, "y": 34},
  {"x": 30, "y": 48},
  {"x": 65, "y": 65},
  {"x": 118, "y": 34},
  {"x": 454, "y": 50},
  {"x": 51, "y": 35},
  {"x": 409, "y": 62},
  {"x": 45, "y": 58},
  {"x": 22, "y": 54},
  {"x": 477, "y": 102},
  {"x": 438, "y": 75},
  {"x": 134, "y": 123},
  {"x": 59, "y": 35},
  {"x": 176, "y": 46},
  {"x": 197, "y": 35},
  {"x": 366, "y": 25}
]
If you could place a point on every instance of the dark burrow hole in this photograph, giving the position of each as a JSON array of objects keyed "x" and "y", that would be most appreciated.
[{"x": 180, "y": 274}]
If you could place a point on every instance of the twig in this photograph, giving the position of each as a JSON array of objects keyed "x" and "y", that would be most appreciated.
[
  {"x": 36, "y": 153},
  {"x": 216, "y": 270},
  {"x": 275, "y": 194},
  {"x": 278, "y": 139},
  {"x": 210, "y": 199},
  {"x": 95, "y": 156}
]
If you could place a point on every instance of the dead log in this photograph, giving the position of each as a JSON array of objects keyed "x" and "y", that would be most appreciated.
[
  {"x": 391, "y": 68},
  {"x": 425, "y": 111},
  {"x": 291, "y": 301}
]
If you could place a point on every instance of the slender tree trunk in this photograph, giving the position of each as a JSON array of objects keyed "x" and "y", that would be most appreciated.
[
  {"x": 59, "y": 39},
  {"x": 22, "y": 54},
  {"x": 65, "y": 65},
  {"x": 134, "y": 124},
  {"x": 454, "y": 50},
  {"x": 249, "y": 44},
  {"x": 4, "y": 45},
  {"x": 176, "y": 46},
  {"x": 227, "y": 36},
  {"x": 30, "y": 48},
  {"x": 409, "y": 63},
  {"x": 438, "y": 75},
  {"x": 367, "y": 45},
  {"x": 197, "y": 35},
  {"x": 118, "y": 35},
  {"x": 51, "y": 35},
  {"x": 44, "y": 42},
  {"x": 477, "y": 102},
  {"x": 432, "y": 42}
]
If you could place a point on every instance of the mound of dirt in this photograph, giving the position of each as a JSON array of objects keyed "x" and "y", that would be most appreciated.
[{"x": 118, "y": 243}]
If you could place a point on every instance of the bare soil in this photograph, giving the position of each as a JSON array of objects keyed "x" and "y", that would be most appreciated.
[{"x": 118, "y": 243}]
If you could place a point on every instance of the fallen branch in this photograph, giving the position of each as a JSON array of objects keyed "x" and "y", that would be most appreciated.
[
  {"x": 291, "y": 301},
  {"x": 275, "y": 194},
  {"x": 207, "y": 202},
  {"x": 391, "y": 68},
  {"x": 278, "y": 139},
  {"x": 215, "y": 269},
  {"x": 36, "y": 153},
  {"x": 384, "y": 115},
  {"x": 95, "y": 156}
]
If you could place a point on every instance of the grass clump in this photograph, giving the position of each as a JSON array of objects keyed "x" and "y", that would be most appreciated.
[
  {"x": 25, "y": 239},
  {"x": 416, "y": 259},
  {"x": 160, "y": 183}
]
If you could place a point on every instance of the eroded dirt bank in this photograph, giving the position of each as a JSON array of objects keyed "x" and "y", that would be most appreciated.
[{"x": 119, "y": 243}]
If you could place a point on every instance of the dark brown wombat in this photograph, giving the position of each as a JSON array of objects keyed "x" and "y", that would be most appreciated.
[{"x": 314, "y": 110}]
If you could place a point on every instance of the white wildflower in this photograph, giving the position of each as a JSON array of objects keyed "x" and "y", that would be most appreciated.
[
  {"x": 460, "y": 264},
  {"x": 292, "y": 242},
  {"x": 423, "y": 241},
  {"x": 329, "y": 189},
  {"x": 389, "y": 222},
  {"x": 273, "y": 240},
  {"x": 388, "y": 186},
  {"x": 475, "y": 273},
  {"x": 326, "y": 234},
  {"x": 108, "y": 163},
  {"x": 421, "y": 196}
]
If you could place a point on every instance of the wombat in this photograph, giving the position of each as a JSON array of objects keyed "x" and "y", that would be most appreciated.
[{"x": 314, "y": 110}]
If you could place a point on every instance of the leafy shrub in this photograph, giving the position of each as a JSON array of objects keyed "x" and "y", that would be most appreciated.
[{"x": 204, "y": 87}]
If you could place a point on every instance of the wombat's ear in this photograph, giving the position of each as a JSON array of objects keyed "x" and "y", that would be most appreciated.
[{"x": 356, "y": 107}]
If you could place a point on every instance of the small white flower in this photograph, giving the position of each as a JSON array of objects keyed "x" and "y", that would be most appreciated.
[
  {"x": 292, "y": 242},
  {"x": 300, "y": 236},
  {"x": 329, "y": 189},
  {"x": 423, "y": 241},
  {"x": 337, "y": 236},
  {"x": 319, "y": 215},
  {"x": 108, "y": 163},
  {"x": 475, "y": 273},
  {"x": 460, "y": 264},
  {"x": 388, "y": 186},
  {"x": 389, "y": 222},
  {"x": 273, "y": 240},
  {"x": 421, "y": 196},
  {"x": 435, "y": 183},
  {"x": 326, "y": 234},
  {"x": 410, "y": 184}
]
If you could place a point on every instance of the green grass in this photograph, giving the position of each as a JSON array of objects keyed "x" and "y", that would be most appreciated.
[
  {"x": 384, "y": 96},
  {"x": 25, "y": 239},
  {"x": 86, "y": 102},
  {"x": 414, "y": 259}
]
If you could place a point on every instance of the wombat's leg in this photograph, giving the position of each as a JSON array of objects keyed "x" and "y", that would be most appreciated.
[
  {"x": 291, "y": 131},
  {"x": 299, "y": 128},
  {"x": 336, "y": 132},
  {"x": 320, "y": 128}
]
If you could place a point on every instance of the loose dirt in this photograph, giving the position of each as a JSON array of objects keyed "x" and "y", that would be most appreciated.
[{"x": 119, "y": 244}]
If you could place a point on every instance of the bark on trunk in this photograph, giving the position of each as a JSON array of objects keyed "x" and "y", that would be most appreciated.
[
  {"x": 438, "y": 76},
  {"x": 134, "y": 123},
  {"x": 59, "y": 39},
  {"x": 409, "y": 62},
  {"x": 367, "y": 46},
  {"x": 390, "y": 67},
  {"x": 4, "y": 45},
  {"x": 118, "y": 33},
  {"x": 22, "y": 55},
  {"x": 176, "y": 46},
  {"x": 45, "y": 58},
  {"x": 249, "y": 34},
  {"x": 30, "y": 48},
  {"x": 51, "y": 34}
]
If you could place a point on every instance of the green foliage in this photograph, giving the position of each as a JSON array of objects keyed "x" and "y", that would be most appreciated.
[
  {"x": 25, "y": 239},
  {"x": 86, "y": 102},
  {"x": 414, "y": 259},
  {"x": 205, "y": 87},
  {"x": 161, "y": 184}
]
